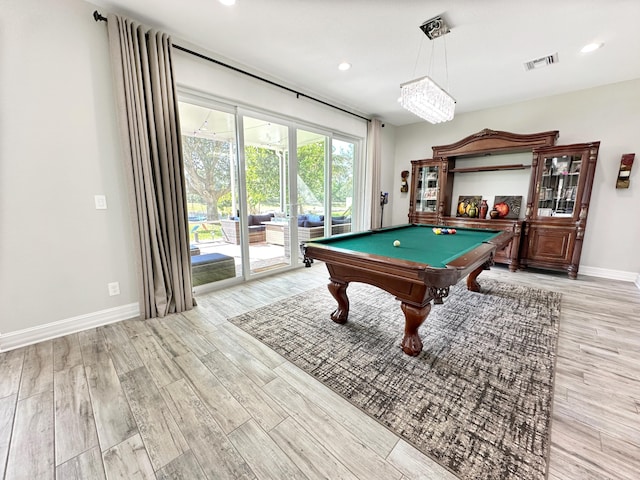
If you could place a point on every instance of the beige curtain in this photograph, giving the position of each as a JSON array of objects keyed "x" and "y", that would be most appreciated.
[
  {"x": 374, "y": 166},
  {"x": 150, "y": 131}
]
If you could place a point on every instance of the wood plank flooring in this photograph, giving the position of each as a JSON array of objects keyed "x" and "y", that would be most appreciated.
[{"x": 190, "y": 396}]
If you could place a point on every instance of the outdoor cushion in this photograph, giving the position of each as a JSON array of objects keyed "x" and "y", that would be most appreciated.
[
  {"x": 209, "y": 258},
  {"x": 309, "y": 223},
  {"x": 211, "y": 267},
  {"x": 258, "y": 219}
]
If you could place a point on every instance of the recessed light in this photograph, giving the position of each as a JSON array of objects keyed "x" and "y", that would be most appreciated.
[
  {"x": 591, "y": 47},
  {"x": 227, "y": 2},
  {"x": 344, "y": 66}
]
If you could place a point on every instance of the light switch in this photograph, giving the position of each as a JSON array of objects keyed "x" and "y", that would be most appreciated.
[{"x": 101, "y": 202}]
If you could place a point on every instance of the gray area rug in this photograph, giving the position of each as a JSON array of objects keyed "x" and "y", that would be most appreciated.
[{"x": 478, "y": 397}]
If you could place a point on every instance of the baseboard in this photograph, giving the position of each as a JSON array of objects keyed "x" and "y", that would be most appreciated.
[
  {"x": 611, "y": 274},
  {"x": 28, "y": 336}
]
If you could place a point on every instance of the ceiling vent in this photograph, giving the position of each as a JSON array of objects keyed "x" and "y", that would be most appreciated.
[{"x": 541, "y": 62}]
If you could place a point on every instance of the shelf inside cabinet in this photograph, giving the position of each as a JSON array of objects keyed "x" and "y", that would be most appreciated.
[{"x": 489, "y": 168}]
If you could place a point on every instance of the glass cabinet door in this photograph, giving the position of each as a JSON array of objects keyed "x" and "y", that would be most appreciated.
[
  {"x": 559, "y": 186},
  {"x": 427, "y": 191}
]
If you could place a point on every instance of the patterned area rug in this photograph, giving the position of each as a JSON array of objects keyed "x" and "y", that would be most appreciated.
[{"x": 478, "y": 397}]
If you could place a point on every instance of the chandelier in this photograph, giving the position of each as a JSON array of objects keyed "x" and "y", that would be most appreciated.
[{"x": 424, "y": 97}]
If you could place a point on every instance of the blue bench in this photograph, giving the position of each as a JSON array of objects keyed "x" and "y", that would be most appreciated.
[{"x": 212, "y": 267}]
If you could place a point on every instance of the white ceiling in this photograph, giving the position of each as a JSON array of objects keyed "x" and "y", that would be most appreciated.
[{"x": 300, "y": 43}]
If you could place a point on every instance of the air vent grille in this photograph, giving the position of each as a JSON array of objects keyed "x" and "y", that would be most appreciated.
[{"x": 541, "y": 62}]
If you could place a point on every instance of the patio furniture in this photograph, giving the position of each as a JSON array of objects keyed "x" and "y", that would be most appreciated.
[
  {"x": 211, "y": 267},
  {"x": 257, "y": 231}
]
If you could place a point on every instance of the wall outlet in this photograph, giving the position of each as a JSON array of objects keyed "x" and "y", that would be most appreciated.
[{"x": 114, "y": 288}]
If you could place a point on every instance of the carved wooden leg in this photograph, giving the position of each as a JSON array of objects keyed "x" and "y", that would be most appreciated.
[
  {"x": 472, "y": 284},
  {"x": 413, "y": 318},
  {"x": 339, "y": 292}
]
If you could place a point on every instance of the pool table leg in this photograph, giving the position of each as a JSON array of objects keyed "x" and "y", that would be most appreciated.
[
  {"x": 472, "y": 283},
  {"x": 413, "y": 318},
  {"x": 339, "y": 292}
]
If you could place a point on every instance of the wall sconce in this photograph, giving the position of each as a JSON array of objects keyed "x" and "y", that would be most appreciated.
[
  {"x": 626, "y": 162},
  {"x": 404, "y": 184}
]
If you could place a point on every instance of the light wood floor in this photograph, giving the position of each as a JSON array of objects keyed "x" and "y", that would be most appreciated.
[{"x": 190, "y": 396}]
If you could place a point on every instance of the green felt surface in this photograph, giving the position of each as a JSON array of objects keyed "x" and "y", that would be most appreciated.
[{"x": 418, "y": 243}]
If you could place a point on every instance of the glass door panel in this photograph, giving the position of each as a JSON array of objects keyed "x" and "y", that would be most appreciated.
[
  {"x": 312, "y": 159},
  {"x": 427, "y": 191},
  {"x": 559, "y": 186},
  {"x": 266, "y": 158},
  {"x": 312, "y": 156},
  {"x": 210, "y": 167},
  {"x": 343, "y": 165}
]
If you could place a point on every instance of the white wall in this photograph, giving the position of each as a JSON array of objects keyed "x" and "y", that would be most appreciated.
[
  {"x": 58, "y": 148},
  {"x": 610, "y": 114}
]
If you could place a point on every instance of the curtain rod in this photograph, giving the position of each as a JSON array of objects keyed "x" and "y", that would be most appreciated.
[{"x": 99, "y": 18}]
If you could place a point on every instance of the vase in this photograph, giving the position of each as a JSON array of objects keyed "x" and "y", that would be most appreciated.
[
  {"x": 494, "y": 213},
  {"x": 484, "y": 208}
]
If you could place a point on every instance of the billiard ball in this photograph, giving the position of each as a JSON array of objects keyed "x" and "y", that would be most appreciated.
[{"x": 396, "y": 243}]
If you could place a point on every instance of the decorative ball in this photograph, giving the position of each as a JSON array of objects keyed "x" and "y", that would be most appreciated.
[{"x": 396, "y": 243}]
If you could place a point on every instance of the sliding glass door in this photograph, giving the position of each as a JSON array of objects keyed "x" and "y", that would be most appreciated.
[
  {"x": 210, "y": 166},
  {"x": 257, "y": 187},
  {"x": 266, "y": 175},
  {"x": 326, "y": 167},
  {"x": 312, "y": 162},
  {"x": 343, "y": 172}
]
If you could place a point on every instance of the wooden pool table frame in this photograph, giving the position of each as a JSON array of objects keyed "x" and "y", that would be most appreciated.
[{"x": 414, "y": 284}]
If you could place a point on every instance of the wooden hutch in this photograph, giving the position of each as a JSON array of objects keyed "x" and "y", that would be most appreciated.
[{"x": 550, "y": 233}]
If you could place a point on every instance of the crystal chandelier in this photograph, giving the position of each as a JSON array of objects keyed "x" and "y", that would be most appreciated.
[{"x": 422, "y": 96}]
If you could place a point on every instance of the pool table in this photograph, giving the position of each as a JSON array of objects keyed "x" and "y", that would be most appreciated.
[{"x": 420, "y": 269}]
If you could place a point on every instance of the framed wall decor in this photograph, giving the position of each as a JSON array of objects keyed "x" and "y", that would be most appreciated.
[
  {"x": 624, "y": 174},
  {"x": 468, "y": 206},
  {"x": 508, "y": 206}
]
